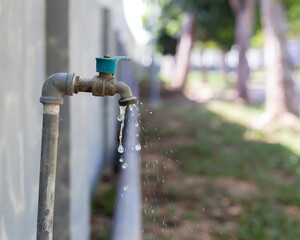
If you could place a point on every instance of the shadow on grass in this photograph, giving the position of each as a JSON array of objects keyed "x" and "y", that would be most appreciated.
[{"x": 208, "y": 145}]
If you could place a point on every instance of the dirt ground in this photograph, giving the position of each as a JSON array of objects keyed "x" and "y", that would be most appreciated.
[{"x": 203, "y": 179}]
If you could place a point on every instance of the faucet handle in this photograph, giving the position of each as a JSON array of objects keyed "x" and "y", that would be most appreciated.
[{"x": 108, "y": 64}]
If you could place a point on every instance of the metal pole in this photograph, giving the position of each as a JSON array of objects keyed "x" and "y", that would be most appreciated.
[{"x": 48, "y": 171}]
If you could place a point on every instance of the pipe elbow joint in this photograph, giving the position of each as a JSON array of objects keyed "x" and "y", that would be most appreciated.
[{"x": 56, "y": 87}]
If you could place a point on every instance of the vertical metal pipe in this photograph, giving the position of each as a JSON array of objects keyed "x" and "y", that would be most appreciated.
[{"x": 48, "y": 172}]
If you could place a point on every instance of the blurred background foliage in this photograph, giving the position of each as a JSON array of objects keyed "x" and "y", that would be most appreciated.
[{"x": 218, "y": 164}]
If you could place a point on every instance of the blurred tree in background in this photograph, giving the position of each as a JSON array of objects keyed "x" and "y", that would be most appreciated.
[
  {"x": 280, "y": 93},
  {"x": 181, "y": 23},
  {"x": 244, "y": 20},
  {"x": 189, "y": 21}
]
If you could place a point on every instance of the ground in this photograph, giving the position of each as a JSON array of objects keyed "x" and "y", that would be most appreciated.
[
  {"x": 208, "y": 173},
  {"x": 214, "y": 177}
]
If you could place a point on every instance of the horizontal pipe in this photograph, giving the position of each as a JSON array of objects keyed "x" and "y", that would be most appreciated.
[{"x": 83, "y": 85}]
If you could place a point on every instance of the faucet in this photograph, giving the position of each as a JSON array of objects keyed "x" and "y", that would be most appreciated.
[
  {"x": 54, "y": 89},
  {"x": 60, "y": 84}
]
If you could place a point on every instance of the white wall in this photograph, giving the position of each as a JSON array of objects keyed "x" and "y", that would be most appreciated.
[
  {"x": 22, "y": 71},
  {"x": 88, "y": 113},
  {"x": 22, "y": 75}
]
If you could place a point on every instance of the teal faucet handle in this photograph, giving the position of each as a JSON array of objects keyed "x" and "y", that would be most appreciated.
[{"x": 108, "y": 64}]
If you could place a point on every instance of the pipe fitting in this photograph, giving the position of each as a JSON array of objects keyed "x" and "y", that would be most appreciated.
[
  {"x": 106, "y": 85},
  {"x": 56, "y": 87}
]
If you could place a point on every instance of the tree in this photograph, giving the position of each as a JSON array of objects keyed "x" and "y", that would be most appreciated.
[
  {"x": 183, "y": 54},
  {"x": 207, "y": 20},
  {"x": 244, "y": 18},
  {"x": 280, "y": 95}
]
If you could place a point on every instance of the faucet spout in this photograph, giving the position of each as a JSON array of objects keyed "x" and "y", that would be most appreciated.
[
  {"x": 106, "y": 85},
  {"x": 126, "y": 95}
]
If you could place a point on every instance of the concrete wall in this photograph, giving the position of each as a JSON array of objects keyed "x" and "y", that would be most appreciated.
[
  {"x": 89, "y": 122},
  {"x": 22, "y": 71}
]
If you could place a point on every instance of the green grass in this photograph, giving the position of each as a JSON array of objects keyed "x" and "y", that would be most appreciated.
[
  {"x": 222, "y": 143},
  {"x": 214, "y": 80},
  {"x": 105, "y": 201}
]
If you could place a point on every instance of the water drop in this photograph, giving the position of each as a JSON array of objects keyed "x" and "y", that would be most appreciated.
[
  {"x": 124, "y": 165},
  {"x": 120, "y": 118},
  {"x": 136, "y": 124},
  {"x": 150, "y": 112},
  {"x": 137, "y": 135},
  {"x": 121, "y": 159},
  {"x": 138, "y": 147},
  {"x": 125, "y": 188},
  {"x": 120, "y": 149}
]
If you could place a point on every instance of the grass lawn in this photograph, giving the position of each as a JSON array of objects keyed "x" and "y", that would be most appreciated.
[{"x": 207, "y": 174}]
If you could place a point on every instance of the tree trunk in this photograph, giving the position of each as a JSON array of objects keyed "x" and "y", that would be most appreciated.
[
  {"x": 244, "y": 17},
  {"x": 203, "y": 67},
  {"x": 280, "y": 94},
  {"x": 224, "y": 65},
  {"x": 183, "y": 54}
]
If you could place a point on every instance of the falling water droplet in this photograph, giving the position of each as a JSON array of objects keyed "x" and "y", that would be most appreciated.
[
  {"x": 121, "y": 159},
  {"x": 125, "y": 188},
  {"x": 120, "y": 149},
  {"x": 136, "y": 124},
  {"x": 137, "y": 135},
  {"x": 121, "y": 118},
  {"x": 150, "y": 112},
  {"x": 138, "y": 147},
  {"x": 124, "y": 165}
]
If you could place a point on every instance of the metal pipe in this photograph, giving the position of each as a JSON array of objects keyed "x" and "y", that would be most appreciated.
[
  {"x": 48, "y": 171},
  {"x": 54, "y": 89},
  {"x": 83, "y": 84}
]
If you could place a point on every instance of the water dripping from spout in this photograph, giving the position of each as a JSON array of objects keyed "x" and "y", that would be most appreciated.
[{"x": 121, "y": 118}]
